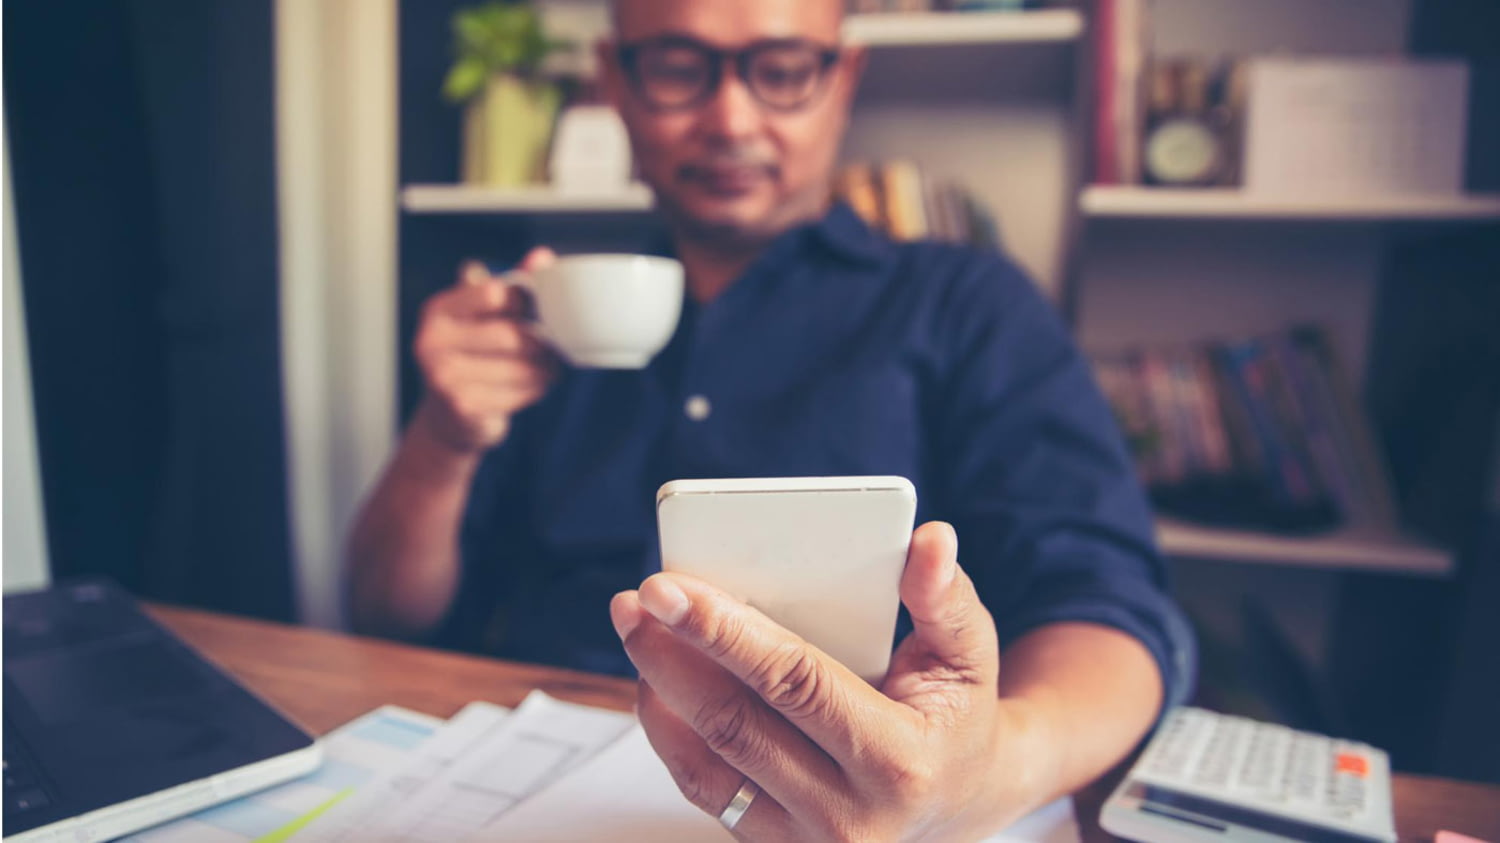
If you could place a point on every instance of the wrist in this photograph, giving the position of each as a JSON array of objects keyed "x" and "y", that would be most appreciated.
[
  {"x": 432, "y": 454},
  {"x": 1032, "y": 730}
]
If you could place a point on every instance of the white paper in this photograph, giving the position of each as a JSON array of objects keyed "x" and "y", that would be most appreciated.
[
  {"x": 1321, "y": 126},
  {"x": 542, "y": 740},
  {"x": 626, "y": 795},
  {"x": 373, "y": 806},
  {"x": 357, "y": 755}
]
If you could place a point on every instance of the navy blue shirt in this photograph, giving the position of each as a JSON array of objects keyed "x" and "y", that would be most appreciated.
[{"x": 837, "y": 353}]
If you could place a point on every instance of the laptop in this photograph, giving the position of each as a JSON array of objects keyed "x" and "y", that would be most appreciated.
[{"x": 112, "y": 724}]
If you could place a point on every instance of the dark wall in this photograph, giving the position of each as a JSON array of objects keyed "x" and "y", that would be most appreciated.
[
  {"x": 1416, "y": 662},
  {"x": 86, "y": 222},
  {"x": 141, "y": 136}
]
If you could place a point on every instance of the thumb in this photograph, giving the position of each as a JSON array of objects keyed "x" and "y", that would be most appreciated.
[
  {"x": 539, "y": 258},
  {"x": 950, "y": 626}
]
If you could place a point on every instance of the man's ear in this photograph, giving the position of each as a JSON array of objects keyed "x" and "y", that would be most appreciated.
[
  {"x": 852, "y": 61},
  {"x": 611, "y": 75}
]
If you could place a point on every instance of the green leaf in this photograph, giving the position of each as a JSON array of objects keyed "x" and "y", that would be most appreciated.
[
  {"x": 504, "y": 36},
  {"x": 470, "y": 32},
  {"x": 464, "y": 80}
]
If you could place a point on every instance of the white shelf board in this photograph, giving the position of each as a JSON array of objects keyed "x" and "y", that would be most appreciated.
[
  {"x": 1360, "y": 548},
  {"x": 542, "y": 199},
  {"x": 915, "y": 29},
  {"x": 1230, "y": 204}
]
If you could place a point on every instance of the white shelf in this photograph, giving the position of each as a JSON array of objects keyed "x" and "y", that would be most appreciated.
[
  {"x": 1352, "y": 548},
  {"x": 475, "y": 199},
  {"x": 915, "y": 29},
  {"x": 1230, "y": 204}
]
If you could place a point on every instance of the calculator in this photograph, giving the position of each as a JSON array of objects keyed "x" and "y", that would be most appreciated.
[{"x": 1207, "y": 776}]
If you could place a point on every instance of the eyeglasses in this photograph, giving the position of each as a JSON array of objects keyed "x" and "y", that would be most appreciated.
[{"x": 676, "y": 73}]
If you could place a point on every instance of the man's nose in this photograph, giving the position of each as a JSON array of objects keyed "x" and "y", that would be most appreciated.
[{"x": 732, "y": 111}]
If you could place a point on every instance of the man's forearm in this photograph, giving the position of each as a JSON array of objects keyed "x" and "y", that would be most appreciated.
[
  {"x": 403, "y": 552},
  {"x": 1094, "y": 690}
]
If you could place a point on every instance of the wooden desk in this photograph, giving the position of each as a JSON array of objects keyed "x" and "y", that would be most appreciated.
[{"x": 326, "y": 679}]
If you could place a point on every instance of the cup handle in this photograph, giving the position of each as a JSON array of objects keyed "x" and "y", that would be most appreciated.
[
  {"x": 518, "y": 277},
  {"x": 524, "y": 279},
  {"x": 515, "y": 277}
]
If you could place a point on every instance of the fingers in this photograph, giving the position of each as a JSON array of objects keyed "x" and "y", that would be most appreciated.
[
  {"x": 737, "y": 726},
  {"x": 480, "y": 292},
  {"x": 499, "y": 337},
  {"x": 822, "y": 698},
  {"x": 473, "y": 396},
  {"x": 479, "y": 296},
  {"x": 481, "y": 360},
  {"x": 947, "y": 616},
  {"x": 705, "y": 779},
  {"x": 951, "y": 659},
  {"x": 456, "y": 372},
  {"x": 473, "y": 273},
  {"x": 538, "y": 258}
]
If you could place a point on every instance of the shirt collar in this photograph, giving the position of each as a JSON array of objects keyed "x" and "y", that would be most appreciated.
[
  {"x": 844, "y": 234},
  {"x": 841, "y": 232}
]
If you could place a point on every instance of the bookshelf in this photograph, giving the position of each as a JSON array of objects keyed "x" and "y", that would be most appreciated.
[
  {"x": 998, "y": 101},
  {"x": 983, "y": 99},
  {"x": 473, "y": 199},
  {"x": 1102, "y": 201},
  {"x": 1157, "y": 267},
  {"x": 915, "y": 29},
  {"x": 1374, "y": 548},
  {"x": 980, "y": 75}
]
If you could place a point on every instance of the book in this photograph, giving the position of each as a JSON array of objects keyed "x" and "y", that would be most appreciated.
[
  {"x": 901, "y": 185},
  {"x": 1106, "y": 166},
  {"x": 1290, "y": 499},
  {"x": 1117, "y": 380},
  {"x": 1316, "y": 423},
  {"x": 1186, "y": 412},
  {"x": 1130, "y": 56},
  {"x": 1249, "y": 381},
  {"x": 1220, "y": 455},
  {"x": 1263, "y": 432},
  {"x": 1291, "y": 423},
  {"x": 856, "y": 184},
  {"x": 1166, "y": 465},
  {"x": 1248, "y": 457},
  {"x": 1119, "y": 61},
  {"x": 1358, "y": 447},
  {"x": 907, "y": 203}
]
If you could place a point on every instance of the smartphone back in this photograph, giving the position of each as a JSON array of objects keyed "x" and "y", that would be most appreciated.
[{"x": 822, "y": 556}]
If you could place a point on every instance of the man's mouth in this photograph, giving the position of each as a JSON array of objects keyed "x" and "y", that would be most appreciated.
[{"x": 726, "y": 179}]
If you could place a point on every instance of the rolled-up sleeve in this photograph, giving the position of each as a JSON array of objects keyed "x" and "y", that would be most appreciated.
[{"x": 1033, "y": 472}]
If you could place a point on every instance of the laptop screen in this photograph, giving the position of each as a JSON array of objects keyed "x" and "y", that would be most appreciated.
[{"x": 103, "y": 706}]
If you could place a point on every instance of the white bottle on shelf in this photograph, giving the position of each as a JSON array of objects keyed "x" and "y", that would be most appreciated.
[{"x": 590, "y": 151}]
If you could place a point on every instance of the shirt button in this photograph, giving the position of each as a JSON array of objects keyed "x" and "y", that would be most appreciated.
[{"x": 697, "y": 408}]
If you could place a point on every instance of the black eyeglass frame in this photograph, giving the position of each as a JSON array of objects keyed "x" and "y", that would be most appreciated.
[{"x": 628, "y": 55}]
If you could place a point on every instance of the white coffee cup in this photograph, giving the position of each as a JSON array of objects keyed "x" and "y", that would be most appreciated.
[{"x": 605, "y": 311}]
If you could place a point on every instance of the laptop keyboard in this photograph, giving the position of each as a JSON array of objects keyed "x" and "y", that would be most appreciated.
[{"x": 24, "y": 791}]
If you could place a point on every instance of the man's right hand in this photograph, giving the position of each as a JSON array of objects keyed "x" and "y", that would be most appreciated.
[{"x": 481, "y": 359}]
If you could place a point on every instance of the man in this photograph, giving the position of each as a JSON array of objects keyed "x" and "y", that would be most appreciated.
[{"x": 517, "y": 513}]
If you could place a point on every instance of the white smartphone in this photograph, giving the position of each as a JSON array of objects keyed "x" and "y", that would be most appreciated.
[{"x": 822, "y": 556}]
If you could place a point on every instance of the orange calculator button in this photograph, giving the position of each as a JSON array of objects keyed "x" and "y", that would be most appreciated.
[{"x": 1350, "y": 763}]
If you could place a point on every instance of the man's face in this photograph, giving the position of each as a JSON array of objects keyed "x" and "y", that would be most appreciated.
[{"x": 728, "y": 164}]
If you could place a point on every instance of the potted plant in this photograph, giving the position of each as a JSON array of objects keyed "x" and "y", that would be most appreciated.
[{"x": 509, "y": 107}]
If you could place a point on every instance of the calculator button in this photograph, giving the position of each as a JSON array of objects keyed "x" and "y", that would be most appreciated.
[{"x": 1352, "y": 764}]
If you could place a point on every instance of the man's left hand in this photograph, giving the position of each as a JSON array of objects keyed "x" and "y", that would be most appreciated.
[{"x": 727, "y": 695}]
